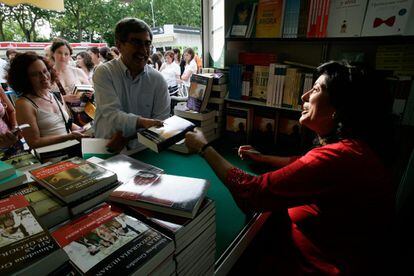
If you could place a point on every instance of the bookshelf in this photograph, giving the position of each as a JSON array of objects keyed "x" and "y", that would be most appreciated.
[{"x": 257, "y": 103}]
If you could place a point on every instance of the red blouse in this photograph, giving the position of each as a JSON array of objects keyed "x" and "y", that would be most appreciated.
[{"x": 340, "y": 202}]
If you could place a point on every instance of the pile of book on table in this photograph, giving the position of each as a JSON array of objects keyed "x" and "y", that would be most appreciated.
[
  {"x": 174, "y": 205},
  {"x": 40, "y": 233}
]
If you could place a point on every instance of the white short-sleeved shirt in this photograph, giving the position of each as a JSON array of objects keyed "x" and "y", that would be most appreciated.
[
  {"x": 192, "y": 66},
  {"x": 170, "y": 73}
]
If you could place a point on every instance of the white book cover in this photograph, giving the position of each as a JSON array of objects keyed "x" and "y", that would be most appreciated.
[
  {"x": 389, "y": 17},
  {"x": 346, "y": 18}
]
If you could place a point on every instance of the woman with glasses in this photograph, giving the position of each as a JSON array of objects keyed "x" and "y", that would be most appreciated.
[{"x": 32, "y": 77}]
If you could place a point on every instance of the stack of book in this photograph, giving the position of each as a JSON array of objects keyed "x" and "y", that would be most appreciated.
[
  {"x": 78, "y": 183},
  {"x": 26, "y": 247},
  {"x": 194, "y": 238},
  {"x": 106, "y": 241},
  {"x": 10, "y": 177},
  {"x": 204, "y": 121}
]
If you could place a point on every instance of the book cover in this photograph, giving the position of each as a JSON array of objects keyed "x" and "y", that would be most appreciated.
[
  {"x": 346, "y": 18},
  {"x": 108, "y": 242},
  {"x": 127, "y": 167},
  {"x": 24, "y": 244},
  {"x": 160, "y": 138},
  {"x": 264, "y": 129},
  {"x": 170, "y": 194},
  {"x": 239, "y": 124},
  {"x": 48, "y": 208},
  {"x": 199, "y": 92},
  {"x": 269, "y": 18},
  {"x": 22, "y": 160},
  {"x": 14, "y": 180},
  {"x": 260, "y": 79},
  {"x": 387, "y": 17},
  {"x": 95, "y": 147},
  {"x": 288, "y": 135},
  {"x": 6, "y": 170},
  {"x": 74, "y": 178},
  {"x": 243, "y": 19}
]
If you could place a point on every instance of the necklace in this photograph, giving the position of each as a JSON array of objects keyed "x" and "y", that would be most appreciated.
[{"x": 45, "y": 99}]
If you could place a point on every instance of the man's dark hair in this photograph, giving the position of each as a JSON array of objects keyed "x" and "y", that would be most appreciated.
[
  {"x": 94, "y": 50},
  {"x": 130, "y": 25},
  {"x": 59, "y": 42},
  {"x": 18, "y": 76}
]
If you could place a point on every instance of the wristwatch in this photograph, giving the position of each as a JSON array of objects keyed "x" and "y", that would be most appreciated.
[{"x": 203, "y": 149}]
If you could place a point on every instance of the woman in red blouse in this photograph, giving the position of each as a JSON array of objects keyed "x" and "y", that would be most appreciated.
[{"x": 339, "y": 196}]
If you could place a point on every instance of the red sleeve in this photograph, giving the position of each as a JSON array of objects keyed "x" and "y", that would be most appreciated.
[{"x": 299, "y": 183}]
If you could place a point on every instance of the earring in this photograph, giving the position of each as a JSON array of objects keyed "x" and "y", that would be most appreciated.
[{"x": 333, "y": 116}]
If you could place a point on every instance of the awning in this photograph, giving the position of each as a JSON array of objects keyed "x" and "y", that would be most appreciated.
[
  {"x": 56, "y": 5},
  {"x": 161, "y": 38}
]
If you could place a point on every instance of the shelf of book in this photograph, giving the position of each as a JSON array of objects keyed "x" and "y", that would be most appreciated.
[{"x": 262, "y": 104}]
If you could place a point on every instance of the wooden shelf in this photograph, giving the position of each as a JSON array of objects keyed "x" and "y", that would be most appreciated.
[
  {"x": 259, "y": 103},
  {"x": 382, "y": 39}
]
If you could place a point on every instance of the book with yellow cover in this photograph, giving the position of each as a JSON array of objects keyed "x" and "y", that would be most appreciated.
[{"x": 269, "y": 19}]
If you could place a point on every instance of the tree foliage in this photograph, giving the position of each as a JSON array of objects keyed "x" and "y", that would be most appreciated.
[{"x": 94, "y": 20}]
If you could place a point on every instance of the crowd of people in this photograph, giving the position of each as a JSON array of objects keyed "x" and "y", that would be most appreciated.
[
  {"x": 338, "y": 196},
  {"x": 45, "y": 85}
]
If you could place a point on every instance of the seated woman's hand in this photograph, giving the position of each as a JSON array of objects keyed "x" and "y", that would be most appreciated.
[
  {"x": 195, "y": 140},
  {"x": 249, "y": 152},
  {"x": 78, "y": 135},
  {"x": 146, "y": 123}
]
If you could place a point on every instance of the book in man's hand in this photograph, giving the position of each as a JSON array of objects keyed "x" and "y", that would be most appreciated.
[
  {"x": 170, "y": 194},
  {"x": 26, "y": 248},
  {"x": 160, "y": 138},
  {"x": 72, "y": 179},
  {"x": 106, "y": 241}
]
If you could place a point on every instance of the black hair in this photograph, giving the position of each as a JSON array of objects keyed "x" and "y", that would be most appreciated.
[
  {"x": 87, "y": 60},
  {"x": 59, "y": 42},
  {"x": 130, "y": 25},
  {"x": 360, "y": 97},
  {"x": 106, "y": 54}
]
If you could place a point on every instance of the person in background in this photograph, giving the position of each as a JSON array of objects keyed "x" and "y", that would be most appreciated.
[
  {"x": 115, "y": 52},
  {"x": 105, "y": 54},
  {"x": 156, "y": 59},
  {"x": 178, "y": 60},
  {"x": 170, "y": 70},
  {"x": 190, "y": 68},
  {"x": 68, "y": 76},
  {"x": 129, "y": 94},
  {"x": 32, "y": 76},
  {"x": 10, "y": 54},
  {"x": 84, "y": 62},
  {"x": 199, "y": 63},
  {"x": 338, "y": 196},
  {"x": 94, "y": 53}
]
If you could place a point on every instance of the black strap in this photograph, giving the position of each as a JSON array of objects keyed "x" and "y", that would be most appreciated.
[
  {"x": 30, "y": 100},
  {"x": 68, "y": 123}
]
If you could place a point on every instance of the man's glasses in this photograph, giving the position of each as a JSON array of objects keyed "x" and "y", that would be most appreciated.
[{"x": 139, "y": 42}]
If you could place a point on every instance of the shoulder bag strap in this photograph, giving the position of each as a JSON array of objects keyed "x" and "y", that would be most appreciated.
[{"x": 67, "y": 123}]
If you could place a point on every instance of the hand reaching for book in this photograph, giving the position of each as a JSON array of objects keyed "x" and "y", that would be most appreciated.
[
  {"x": 195, "y": 140},
  {"x": 146, "y": 123},
  {"x": 78, "y": 135}
]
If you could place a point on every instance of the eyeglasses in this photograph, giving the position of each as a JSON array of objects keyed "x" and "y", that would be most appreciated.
[{"x": 139, "y": 42}]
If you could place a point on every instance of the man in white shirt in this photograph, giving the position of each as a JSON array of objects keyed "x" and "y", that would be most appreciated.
[{"x": 129, "y": 94}]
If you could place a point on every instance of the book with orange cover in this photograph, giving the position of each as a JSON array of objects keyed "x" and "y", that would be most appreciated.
[{"x": 269, "y": 19}]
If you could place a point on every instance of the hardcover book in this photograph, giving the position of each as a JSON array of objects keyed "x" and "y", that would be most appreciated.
[
  {"x": 22, "y": 161},
  {"x": 199, "y": 92},
  {"x": 58, "y": 151},
  {"x": 14, "y": 180},
  {"x": 183, "y": 111},
  {"x": 346, "y": 18},
  {"x": 48, "y": 208},
  {"x": 108, "y": 242},
  {"x": 6, "y": 170},
  {"x": 243, "y": 20},
  {"x": 26, "y": 248},
  {"x": 385, "y": 17},
  {"x": 160, "y": 138},
  {"x": 269, "y": 19},
  {"x": 73, "y": 179},
  {"x": 127, "y": 167},
  {"x": 170, "y": 194},
  {"x": 238, "y": 124}
]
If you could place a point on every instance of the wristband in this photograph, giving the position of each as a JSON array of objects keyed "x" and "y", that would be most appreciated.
[{"x": 203, "y": 149}]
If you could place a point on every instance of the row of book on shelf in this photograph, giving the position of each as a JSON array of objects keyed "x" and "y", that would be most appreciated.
[
  {"x": 322, "y": 18},
  {"x": 117, "y": 215}
]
